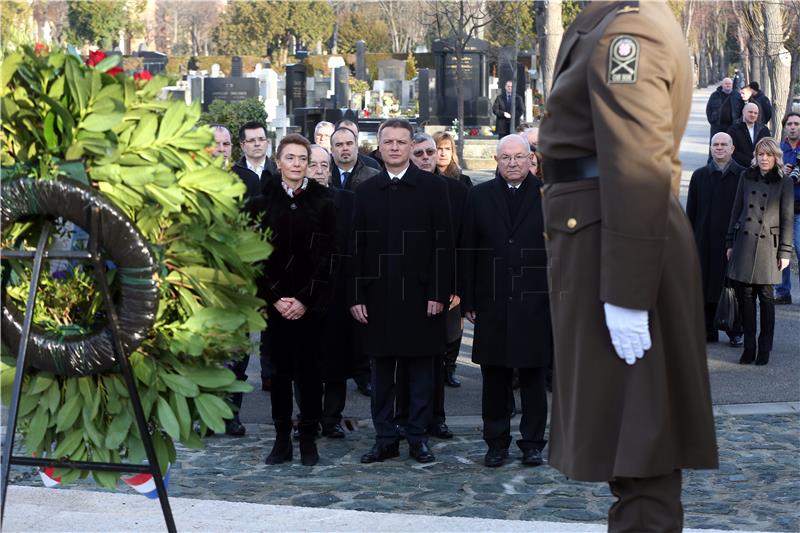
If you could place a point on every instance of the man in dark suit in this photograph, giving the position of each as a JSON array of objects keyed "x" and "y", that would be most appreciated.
[
  {"x": 364, "y": 158},
  {"x": 338, "y": 346},
  {"x": 502, "y": 110},
  {"x": 348, "y": 171},
  {"x": 401, "y": 284},
  {"x": 502, "y": 264},
  {"x": 254, "y": 167},
  {"x": 746, "y": 133},
  {"x": 712, "y": 190}
]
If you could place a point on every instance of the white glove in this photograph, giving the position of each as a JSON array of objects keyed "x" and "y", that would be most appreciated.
[{"x": 630, "y": 331}]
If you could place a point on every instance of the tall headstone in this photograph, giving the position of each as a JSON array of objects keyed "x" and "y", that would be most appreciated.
[
  {"x": 474, "y": 83},
  {"x": 424, "y": 94},
  {"x": 361, "y": 60},
  {"x": 295, "y": 87},
  {"x": 236, "y": 67},
  {"x": 342, "y": 87},
  {"x": 196, "y": 88},
  {"x": 506, "y": 61}
]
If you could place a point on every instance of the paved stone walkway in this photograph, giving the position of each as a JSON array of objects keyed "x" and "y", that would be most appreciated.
[{"x": 756, "y": 488}]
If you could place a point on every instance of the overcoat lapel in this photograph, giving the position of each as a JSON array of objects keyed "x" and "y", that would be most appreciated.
[{"x": 498, "y": 196}]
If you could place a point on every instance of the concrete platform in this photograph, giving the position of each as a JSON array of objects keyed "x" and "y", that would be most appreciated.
[{"x": 39, "y": 509}]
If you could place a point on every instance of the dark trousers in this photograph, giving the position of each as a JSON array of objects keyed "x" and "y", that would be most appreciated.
[
  {"x": 240, "y": 369},
  {"x": 747, "y": 307},
  {"x": 304, "y": 372},
  {"x": 451, "y": 355},
  {"x": 497, "y": 414},
  {"x": 333, "y": 402},
  {"x": 266, "y": 365},
  {"x": 418, "y": 388},
  {"x": 646, "y": 505}
]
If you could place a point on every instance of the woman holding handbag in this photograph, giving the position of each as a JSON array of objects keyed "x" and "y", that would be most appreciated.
[{"x": 759, "y": 244}]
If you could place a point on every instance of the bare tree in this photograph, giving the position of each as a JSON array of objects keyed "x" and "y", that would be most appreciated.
[
  {"x": 404, "y": 23},
  {"x": 778, "y": 59},
  {"x": 553, "y": 32},
  {"x": 459, "y": 20}
]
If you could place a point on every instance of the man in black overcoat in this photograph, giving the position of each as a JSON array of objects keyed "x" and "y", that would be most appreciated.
[
  {"x": 400, "y": 285},
  {"x": 712, "y": 190},
  {"x": 746, "y": 133},
  {"x": 338, "y": 347},
  {"x": 502, "y": 267}
]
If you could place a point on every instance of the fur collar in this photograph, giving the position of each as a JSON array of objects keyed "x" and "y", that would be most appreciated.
[{"x": 773, "y": 176}]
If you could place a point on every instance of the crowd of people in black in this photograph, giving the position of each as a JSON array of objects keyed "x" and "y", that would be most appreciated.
[
  {"x": 365, "y": 282},
  {"x": 378, "y": 260},
  {"x": 744, "y": 207}
]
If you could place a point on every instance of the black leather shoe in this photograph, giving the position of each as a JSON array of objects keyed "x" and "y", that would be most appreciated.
[
  {"x": 336, "y": 431},
  {"x": 234, "y": 428},
  {"x": 783, "y": 300},
  {"x": 281, "y": 451},
  {"x": 380, "y": 453},
  {"x": 365, "y": 389},
  {"x": 495, "y": 457},
  {"x": 440, "y": 431},
  {"x": 451, "y": 380},
  {"x": 762, "y": 359},
  {"x": 532, "y": 458},
  {"x": 747, "y": 357},
  {"x": 737, "y": 340},
  {"x": 421, "y": 452}
]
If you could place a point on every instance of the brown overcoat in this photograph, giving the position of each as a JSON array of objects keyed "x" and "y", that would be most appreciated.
[{"x": 623, "y": 238}]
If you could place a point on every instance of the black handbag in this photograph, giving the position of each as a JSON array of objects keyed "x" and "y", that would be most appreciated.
[{"x": 727, "y": 308}]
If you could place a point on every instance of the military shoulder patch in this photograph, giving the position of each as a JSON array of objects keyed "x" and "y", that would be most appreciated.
[{"x": 623, "y": 60}]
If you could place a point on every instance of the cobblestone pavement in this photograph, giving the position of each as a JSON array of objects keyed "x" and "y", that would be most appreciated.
[{"x": 756, "y": 488}]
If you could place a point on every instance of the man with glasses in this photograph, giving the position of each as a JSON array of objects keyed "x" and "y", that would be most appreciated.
[
  {"x": 254, "y": 168},
  {"x": 503, "y": 286}
]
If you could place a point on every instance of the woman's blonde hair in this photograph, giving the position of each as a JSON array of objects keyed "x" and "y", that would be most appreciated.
[
  {"x": 769, "y": 146},
  {"x": 453, "y": 170}
]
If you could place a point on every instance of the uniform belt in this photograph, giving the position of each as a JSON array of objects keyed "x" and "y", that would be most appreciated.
[{"x": 564, "y": 170}]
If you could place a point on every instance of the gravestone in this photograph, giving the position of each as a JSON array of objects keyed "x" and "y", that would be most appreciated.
[
  {"x": 424, "y": 94},
  {"x": 342, "y": 88},
  {"x": 361, "y": 60},
  {"x": 152, "y": 62},
  {"x": 474, "y": 83},
  {"x": 236, "y": 67},
  {"x": 228, "y": 90},
  {"x": 196, "y": 84},
  {"x": 295, "y": 87},
  {"x": 505, "y": 63},
  {"x": 392, "y": 69}
]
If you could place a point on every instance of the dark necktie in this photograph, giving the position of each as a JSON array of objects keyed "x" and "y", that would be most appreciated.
[
  {"x": 512, "y": 191},
  {"x": 508, "y": 102},
  {"x": 395, "y": 181},
  {"x": 345, "y": 177}
]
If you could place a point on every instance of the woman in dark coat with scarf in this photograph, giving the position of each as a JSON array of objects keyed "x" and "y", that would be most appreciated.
[
  {"x": 759, "y": 244},
  {"x": 301, "y": 217}
]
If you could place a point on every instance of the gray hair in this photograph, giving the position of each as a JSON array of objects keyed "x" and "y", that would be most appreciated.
[
  {"x": 319, "y": 146},
  {"x": 323, "y": 124},
  {"x": 421, "y": 137},
  {"x": 513, "y": 137}
]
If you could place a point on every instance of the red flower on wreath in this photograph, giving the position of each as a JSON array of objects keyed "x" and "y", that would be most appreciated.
[
  {"x": 40, "y": 48},
  {"x": 473, "y": 132},
  {"x": 96, "y": 57},
  {"x": 143, "y": 75}
]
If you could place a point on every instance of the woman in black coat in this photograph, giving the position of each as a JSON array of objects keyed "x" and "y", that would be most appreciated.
[
  {"x": 301, "y": 217},
  {"x": 759, "y": 244},
  {"x": 447, "y": 165}
]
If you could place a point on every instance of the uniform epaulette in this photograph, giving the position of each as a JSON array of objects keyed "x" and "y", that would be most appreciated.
[{"x": 628, "y": 7}]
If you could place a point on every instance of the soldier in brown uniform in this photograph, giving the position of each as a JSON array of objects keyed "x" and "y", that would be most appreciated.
[{"x": 631, "y": 400}]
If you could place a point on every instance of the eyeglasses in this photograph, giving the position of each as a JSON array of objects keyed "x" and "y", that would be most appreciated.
[
  {"x": 506, "y": 159},
  {"x": 420, "y": 153},
  {"x": 255, "y": 139}
]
